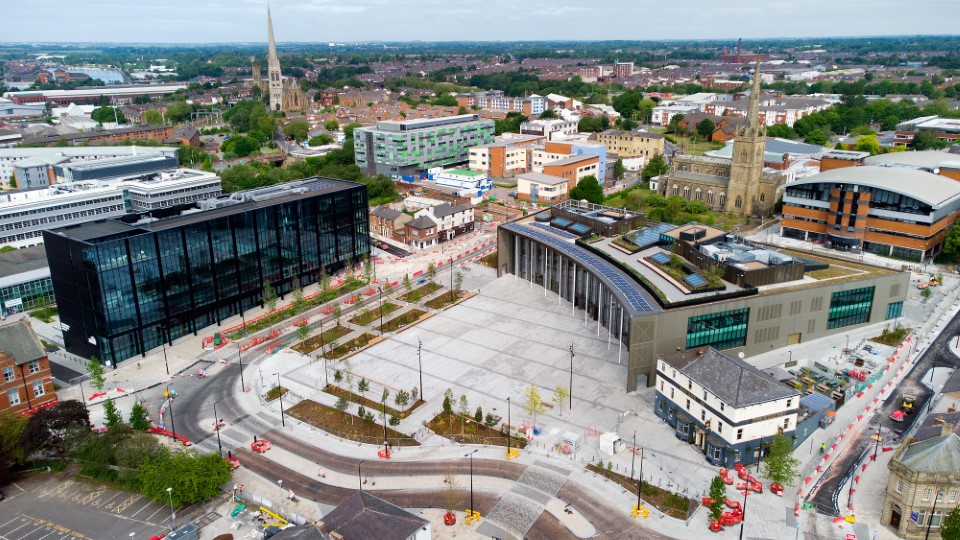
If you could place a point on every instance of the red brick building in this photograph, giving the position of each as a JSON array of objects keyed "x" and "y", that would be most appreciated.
[{"x": 26, "y": 383}]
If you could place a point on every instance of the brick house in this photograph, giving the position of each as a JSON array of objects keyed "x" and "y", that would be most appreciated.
[
  {"x": 27, "y": 384},
  {"x": 387, "y": 223}
]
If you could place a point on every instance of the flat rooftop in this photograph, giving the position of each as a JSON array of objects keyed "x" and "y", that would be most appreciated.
[
  {"x": 23, "y": 260},
  {"x": 248, "y": 200}
]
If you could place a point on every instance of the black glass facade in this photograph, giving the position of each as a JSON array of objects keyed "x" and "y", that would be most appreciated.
[
  {"x": 121, "y": 289},
  {"x": 723, "y": 330},
  {"x": 850, "y": 307}
]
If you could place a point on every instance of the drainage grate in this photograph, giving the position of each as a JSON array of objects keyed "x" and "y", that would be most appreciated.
[{"x": 209, "y": 518}]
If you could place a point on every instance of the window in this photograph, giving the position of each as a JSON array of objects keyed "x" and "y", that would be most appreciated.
[
  {"x": 926, "y": 494},
  {"x": 704, "y": 395},
  {"x": 34, "y": 367},
  {"x": 689, "y": 384},
  {"x": 899, "y": 486},
  {"x": 676, "y": 189},
  {"x": 38, "y": 388},
  {"x": 723, "y": 330},
  {"x": 894, "y": 310},
  {"x": 13, "y": 397},
  {"x": 717, "y": 452},
  {"x": 850, "y": 307},
  {"x": 722, "y": 405},
  {"x": 921, "y": 518},
  {"x": 688, "y": 404},
  {"x": 740, "y": 434},
  {"x": 8, "y": 374},
  {"x": 723, "y": 198},
  {"x": 738, "y": 202},
  {"x": 703, "y": 415},
  {"x": 786, "y": 424},
  {"x": 935, "y": 519},
  {"x": 789, "y": 402},
  {"x": 939, "y": 496},
  {"x": 671, "y": 393},
  {"x": 719, "y": 427},
  {"x": 953, "y": 496}
]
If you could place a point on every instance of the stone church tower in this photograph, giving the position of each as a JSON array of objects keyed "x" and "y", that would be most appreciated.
[
  {"x": 744, "y": 189},
  {"x": 274, "y": 78}
]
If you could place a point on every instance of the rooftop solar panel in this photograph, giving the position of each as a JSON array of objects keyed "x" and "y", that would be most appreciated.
[
  {"x": 554, "y": 230},
  {"x": 629, "y": 290},
  {"x": 660, "y": 258}
]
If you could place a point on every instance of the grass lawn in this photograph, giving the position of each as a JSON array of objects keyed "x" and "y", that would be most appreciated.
[
  {"x": 346, "y": 425},
  {"x": 467, "y": 430},
  {"x": 668, "y": 502},
  {"x": 406, "y": 319},
  {"x": 832, "y": 272},
  {"x": 445, "y": 300},
  {"x": 314, "y": 342},
  {"x": 372, "y": 313},
  {"x": 688, "y": 146},
  {"x": 45, "y": 314},
  {"x": 619, "y": 198},
  {"x": 416, "y": 294}
]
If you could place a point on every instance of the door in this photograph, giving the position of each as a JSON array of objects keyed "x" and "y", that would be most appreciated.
[
  {"x": 533, "y": 192},
  {"x": 793, "y": 339},
  {"x": 895, "y": 517}
]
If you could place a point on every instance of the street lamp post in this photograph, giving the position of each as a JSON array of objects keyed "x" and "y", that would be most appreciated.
[
  {"x": 243, "y": 386},
  {"x": 876, "y": 447},
  {"x": 380, "y": 290},
  {"x": 640, "y": 478},
  {"x": 283, "y": 422},
  {"x": 383, "y": 403},
  {"x": 166, "y": 332},
  {"x": 216, "y": 426},
  {"x": 790, "y": 359},
  {"x": 633, "y": 458},
  {"x": 570, "y": 393},
  {"x": 359, "y": 477},
  {"x": 509, "y": 427},
  {"x": 420, "y": 365},
  {"x": 173, "y": 424},
  {"x": 743, "y": 518},
  {"x": 470, "y": 455},
  {"x": 173, "y": 514},
  {"x": 932, "y": 511}
]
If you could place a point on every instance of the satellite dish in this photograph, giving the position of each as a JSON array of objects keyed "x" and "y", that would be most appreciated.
[{"x": 741, "y": 355}]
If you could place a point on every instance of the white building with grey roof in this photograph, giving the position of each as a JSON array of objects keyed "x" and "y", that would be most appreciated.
[{"x": 723, "y": 405}]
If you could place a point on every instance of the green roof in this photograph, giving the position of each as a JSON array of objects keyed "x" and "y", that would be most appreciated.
[{"x": 464, "y": 172}]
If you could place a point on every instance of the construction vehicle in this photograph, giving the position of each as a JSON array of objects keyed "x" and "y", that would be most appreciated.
[{"x": 907, "y": 405}]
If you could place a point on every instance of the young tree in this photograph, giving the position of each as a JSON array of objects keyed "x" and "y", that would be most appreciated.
[
  {"x": 534, "y": 404},
  {"x": 478, "y": 415},
  {"x": 402, "y": 399},
  {"x": 269, "y": 296},
  {"x": 655, "y": 167},
  {"x": 385, "y": 396},
  {"x": 705, "y": 128},
  {"x": 407, "y": 284},
  {"x": 448, "y": 401},
  {"x": 926, "y": 294},
  {"x": 337, "y": 313},
  {"x": 457, "y": 281},
  {"x": 111, "y": 415},
  {"x": 560, "y": 394},
  {"x": 718, "y": 492},
  {"x": 432, "y": 271},
  {"x": 363, "y": 386},
  {"x": 464, "y": 405},
  {"x": 138, "y": 417},
  {"x": 337, "y": 376},
  {"x": 588, "y": 189},
  {"x": 779, "y": 464},
  {"x": 297, "y": 295},
  {"x": 303, "y": 331},
  {"x": 415, "y": 394},
  {"x": 341, "y": 404},
  {"x": 324, "y": 279},
  {"x": 367, "y": 269},
  {"x": 619, "y": 171},
  {"x": 95, "y": 369}
]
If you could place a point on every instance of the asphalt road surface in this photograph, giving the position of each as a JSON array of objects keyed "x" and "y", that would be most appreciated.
[{"x": 828, "y": 497}]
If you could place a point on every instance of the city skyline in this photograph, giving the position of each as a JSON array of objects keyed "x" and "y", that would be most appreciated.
[{"x": 321, "y": 21}]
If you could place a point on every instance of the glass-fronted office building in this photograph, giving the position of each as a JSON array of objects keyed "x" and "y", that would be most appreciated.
[{"x": 123, "y": 286}]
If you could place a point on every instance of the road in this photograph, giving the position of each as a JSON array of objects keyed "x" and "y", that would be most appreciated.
[{"x": 827, "y": 496}]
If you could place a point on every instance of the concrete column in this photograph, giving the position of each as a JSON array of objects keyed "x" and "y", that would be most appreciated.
[{"x": 573, "y": 297}]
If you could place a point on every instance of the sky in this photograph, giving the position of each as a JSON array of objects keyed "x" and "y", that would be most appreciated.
[{"x": 212, "y": 21}]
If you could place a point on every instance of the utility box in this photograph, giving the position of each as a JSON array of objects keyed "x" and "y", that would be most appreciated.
[
  {"x": 610, "y": 443},
  {"x": 187, "y": 532},
  {"x": 571, "y": 440}
]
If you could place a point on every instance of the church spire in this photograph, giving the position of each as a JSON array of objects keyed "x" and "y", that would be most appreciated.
[
  {"x": 753, "y": 110},
  {"x": 274, "y": 77}
]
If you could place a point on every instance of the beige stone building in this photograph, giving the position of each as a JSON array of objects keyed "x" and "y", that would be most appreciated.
[
  {"x": 632, "y": 144},
  {"x": 924, "y": 482},
  {"x": 738, "y": 185}
]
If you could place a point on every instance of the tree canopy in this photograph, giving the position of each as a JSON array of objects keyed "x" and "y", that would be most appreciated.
[
  {"x": 655, "y": 167},
  {"x": 780, "y": 466},
  {"x": 588, "y": 189},
  {"x": 105, "y": 115},
  {"x": 705, "y": 128},
  {"x": 297, "y": 130}
]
